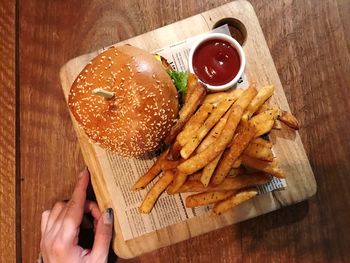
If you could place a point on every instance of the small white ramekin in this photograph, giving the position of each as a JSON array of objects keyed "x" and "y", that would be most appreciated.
[{"x": 234, "y": 43}]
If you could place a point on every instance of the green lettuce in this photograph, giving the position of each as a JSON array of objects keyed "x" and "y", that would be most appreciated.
[{"x": 180, "y": 80}]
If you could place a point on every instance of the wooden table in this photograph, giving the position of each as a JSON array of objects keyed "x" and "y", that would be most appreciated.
[{"x": 39, "y": 154}]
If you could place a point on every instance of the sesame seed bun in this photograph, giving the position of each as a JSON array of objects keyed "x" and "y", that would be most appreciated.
[{"x": 141, "y": 112}]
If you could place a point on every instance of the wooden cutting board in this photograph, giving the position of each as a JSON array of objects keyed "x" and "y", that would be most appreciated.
[{"x": 288, "y": 146}]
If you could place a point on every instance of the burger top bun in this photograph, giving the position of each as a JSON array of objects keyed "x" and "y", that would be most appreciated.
[{"x": 142, "y": 108}]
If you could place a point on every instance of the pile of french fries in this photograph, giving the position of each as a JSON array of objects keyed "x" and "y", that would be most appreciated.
[{"x": 216, "y": 148}]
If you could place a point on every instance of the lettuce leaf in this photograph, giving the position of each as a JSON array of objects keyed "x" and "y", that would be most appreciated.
[{"x": 180, "y": 80}]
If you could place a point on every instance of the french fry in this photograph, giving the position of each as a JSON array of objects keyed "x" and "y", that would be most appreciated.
[
  {"x": 174, "y": 151},
  {"x": 187, "y": 110},
  {"x": 264, "y": 121},
  {"x": 259, "y": 151},
  {"x": 200, "y": 160},
  {"x": 179, "y": 180},
  {"x": 237, "y": 171},
  {"x": 289, "y": 119},
  {"x": 234, "y": 200},
  {"x": 229, "y": 183},
  {"x": 267, "y": 167},
  {"x": 277, "y": 125},
  {"x": 217, "y": 97},
  {"x": 213, "y": 134},
  {"x": 144, "y": 180},
  {"x": 191, "y": 85},
  {"x": 214, "y": 117},
  {"x": 240, "y": 142},
  {"x": 195, "y": 177},
  {"x": 215, "y": 140},
  {"x": 156, "y": 191},
  {"x": 242, "y": 126},
  {"x": 263, "y": 94},
  {"x": 243, "y": 99},
  {"x": 207, "y": 198},
  {"x": 247, "y": 96},
  {"x": 237, "y": 163},
  {"x": 209, "y": 169},
  {"x": 194, "y": 123},
  {"x": 265, "y": 107},
  {"x": 263, "y": 142},
  {"x": 166, "y": 164}
]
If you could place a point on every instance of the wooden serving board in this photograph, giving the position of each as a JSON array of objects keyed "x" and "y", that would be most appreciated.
[{"x": 288, "y": 146}]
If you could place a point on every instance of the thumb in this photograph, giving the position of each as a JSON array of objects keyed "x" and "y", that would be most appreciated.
[{"x": 103, "y": 236}]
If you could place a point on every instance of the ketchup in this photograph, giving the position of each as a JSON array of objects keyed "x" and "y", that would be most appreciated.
[{"x": 216, "y": 62}]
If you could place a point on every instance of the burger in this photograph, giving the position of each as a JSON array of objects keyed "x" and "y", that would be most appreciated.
[{"x": 126, "y": 101}]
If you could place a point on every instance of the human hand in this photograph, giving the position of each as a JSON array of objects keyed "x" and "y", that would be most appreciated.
[{"x": 60, "y": 229}]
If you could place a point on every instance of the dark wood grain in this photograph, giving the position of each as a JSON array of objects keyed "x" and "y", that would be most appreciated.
[
  {"x": 7, "y": 132},
  {"x": 309, "y": 41}
]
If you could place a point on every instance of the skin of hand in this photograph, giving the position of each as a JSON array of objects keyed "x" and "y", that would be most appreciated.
[{"x": 60, "y": 229}]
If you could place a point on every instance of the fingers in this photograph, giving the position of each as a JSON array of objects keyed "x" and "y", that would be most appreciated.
[
  {"x": 57, "y": 209},
  {"x": 103, "y": 236},
  {"x": 60, "y": 227},
  {"x": 75, "y": 206},
  {"x": 92, "y": 207},
  {"x": 49, "y": 224},
  {"x": 44, "y": 219}
]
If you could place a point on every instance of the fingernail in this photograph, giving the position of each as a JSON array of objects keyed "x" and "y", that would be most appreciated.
[{"x": 108, "y": 216}]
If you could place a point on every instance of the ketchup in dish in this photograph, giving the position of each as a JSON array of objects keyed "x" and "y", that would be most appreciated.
[{"x": 216, "y": 62}]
